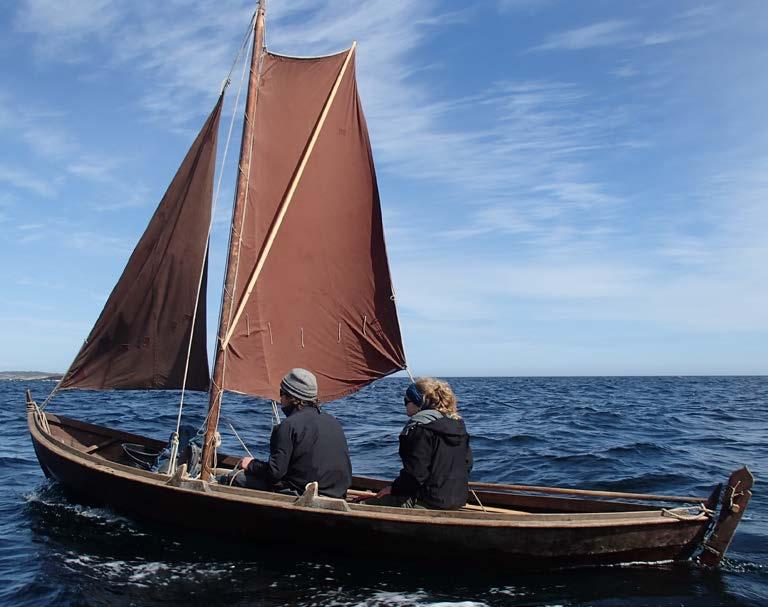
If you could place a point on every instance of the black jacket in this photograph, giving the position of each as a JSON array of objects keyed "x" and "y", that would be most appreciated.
[
  {"x": 308, "y": 446},
  {"x": 436, "y": 461}
]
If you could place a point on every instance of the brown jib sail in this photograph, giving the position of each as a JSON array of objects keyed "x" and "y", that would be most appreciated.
[
  {"x": 324, "y": 298},
  {"x": 142, "y": 335}
]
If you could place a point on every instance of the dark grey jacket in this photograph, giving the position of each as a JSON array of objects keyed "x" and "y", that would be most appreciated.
[{"x": 308, "y": 446}]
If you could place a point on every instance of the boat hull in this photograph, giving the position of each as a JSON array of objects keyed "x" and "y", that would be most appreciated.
[{"x": 524, "y": 541}]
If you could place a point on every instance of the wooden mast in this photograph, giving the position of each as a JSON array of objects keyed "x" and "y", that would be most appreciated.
[{"x": 217, "y": 381}]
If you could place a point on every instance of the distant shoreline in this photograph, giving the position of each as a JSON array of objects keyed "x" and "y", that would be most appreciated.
[{"x": 30, "y": 375}]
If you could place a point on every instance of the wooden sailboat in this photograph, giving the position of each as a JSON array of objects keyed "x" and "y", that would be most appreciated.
[{"x": 307, "y": 284}]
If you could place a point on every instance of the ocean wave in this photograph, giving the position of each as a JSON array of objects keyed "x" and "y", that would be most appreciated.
[
  {"x": 646, "y": 483},
  {"x": 644, "y": 449}
]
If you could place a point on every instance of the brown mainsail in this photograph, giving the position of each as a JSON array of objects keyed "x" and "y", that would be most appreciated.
[
  {"x": 323, "y": 299},
  {"x": 142, "y": 336}
]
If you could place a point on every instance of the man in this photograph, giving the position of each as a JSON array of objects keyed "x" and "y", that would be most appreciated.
[{"x": 308, "y": 446}]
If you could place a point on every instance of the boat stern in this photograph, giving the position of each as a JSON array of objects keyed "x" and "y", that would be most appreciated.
[{"x": 732, "y": 506}]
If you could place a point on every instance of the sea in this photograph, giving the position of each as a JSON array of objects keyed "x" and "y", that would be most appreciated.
[{"x": 678, "y": 435}]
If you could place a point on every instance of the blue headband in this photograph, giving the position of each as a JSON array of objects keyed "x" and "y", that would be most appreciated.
[{"x": 414, "y": 396}]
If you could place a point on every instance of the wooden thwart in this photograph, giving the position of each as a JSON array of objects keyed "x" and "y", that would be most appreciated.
[{"x": 100, "y": 446}]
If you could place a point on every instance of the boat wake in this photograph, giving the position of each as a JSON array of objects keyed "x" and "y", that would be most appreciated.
[
  {"x": 141, "y": 573},
  {"x": 418, "y": 599},
  {"x": 49, "y": 502},
  {"x": 731, "y": 565}
]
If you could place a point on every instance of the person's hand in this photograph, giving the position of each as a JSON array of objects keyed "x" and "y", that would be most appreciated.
[
  {"x": 244, "y": 462},
  {"x": 385, "y": 491}
]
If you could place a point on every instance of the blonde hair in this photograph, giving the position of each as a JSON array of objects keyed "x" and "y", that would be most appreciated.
[{"x": 438, "y": 396}]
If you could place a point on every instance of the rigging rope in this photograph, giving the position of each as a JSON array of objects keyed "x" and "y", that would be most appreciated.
[
  {"x": 246, "y": 38},
  {"x": 237, "y": 436},
  {"x": 478, "y": 499},
  {"x": 58, "y": 384}
]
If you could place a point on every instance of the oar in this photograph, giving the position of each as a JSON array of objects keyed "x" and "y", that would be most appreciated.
[
  {"x": 616, "y": 494},
  {"x": 359, "y": 496}
]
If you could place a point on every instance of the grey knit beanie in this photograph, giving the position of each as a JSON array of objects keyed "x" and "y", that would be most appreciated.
[{"x": 300, "y": 383}]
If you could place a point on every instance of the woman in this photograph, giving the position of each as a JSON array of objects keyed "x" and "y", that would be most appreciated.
[{"x": 434, "y": 447}]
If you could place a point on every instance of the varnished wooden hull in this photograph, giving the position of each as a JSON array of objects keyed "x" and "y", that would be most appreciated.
[{"x": 629, "y": 533}]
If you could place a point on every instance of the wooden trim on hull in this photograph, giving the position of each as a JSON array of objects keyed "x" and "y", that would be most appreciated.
[{"x": 524, "y": 540}]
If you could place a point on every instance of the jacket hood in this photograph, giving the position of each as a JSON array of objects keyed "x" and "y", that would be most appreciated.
[{"x": 451, "y": 430}]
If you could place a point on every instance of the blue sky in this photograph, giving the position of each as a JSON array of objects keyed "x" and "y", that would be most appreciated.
[{"x": 568, "y": 187}]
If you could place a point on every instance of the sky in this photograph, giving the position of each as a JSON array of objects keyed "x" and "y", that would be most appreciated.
[{"x": 568, "y": 188}]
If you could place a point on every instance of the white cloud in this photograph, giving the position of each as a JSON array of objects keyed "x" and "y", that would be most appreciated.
[
  {"x": 505, "y": 219},
  {"x": 46, "y": 140},
  {"x": 615, "y": 32},
  {"x": 131, "y": 198},
  {"x": 717, "y": 283},
  {"x": 30, "y": 237},
  {"x": 581, "y": 194},
  {"x": 24, "y": 180},
  {"x": 95, "y": 169},
  {"x": 523, "y": 5},
  {"x": 603, "y": 33},
  {"x": 40, "y": 130},
  {"x": 37, "y": 325},
  {"x": 97, "y": 242},
  {"x": 28, "y": 281},
  {"x": 30, "y": 233},
  {"x": 29, "y": 306},
  {"x": 61, "y": 26},
  {"x": 625, "y": 71},
  {"x": 66, "y": 17}
]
